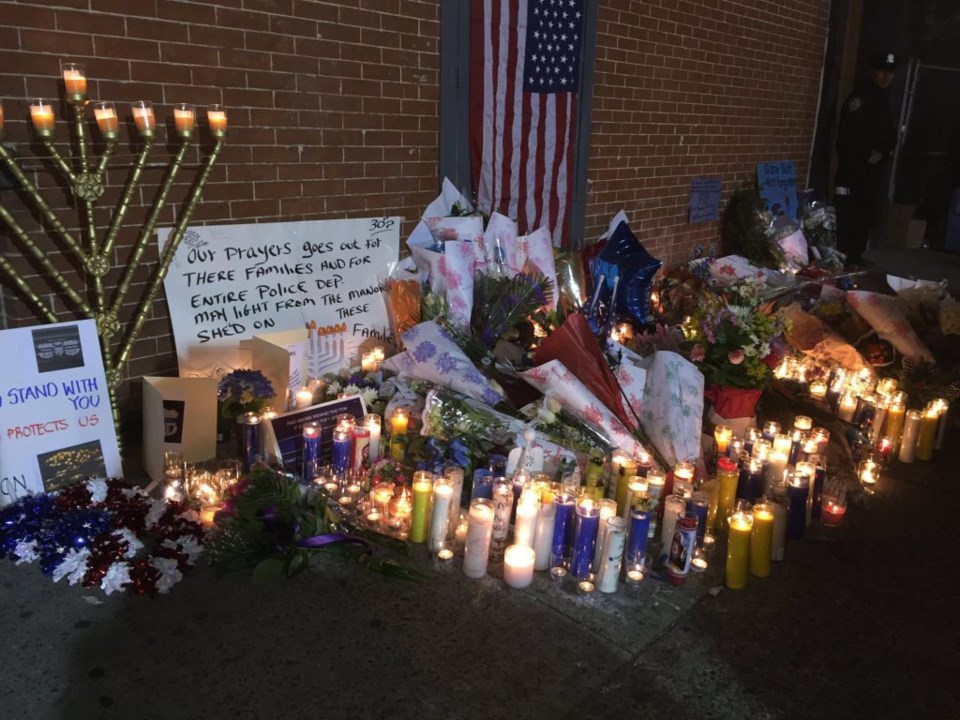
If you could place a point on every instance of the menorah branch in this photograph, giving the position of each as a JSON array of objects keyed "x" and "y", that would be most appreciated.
[
  {"x": 132, "y": 181},
  {"x": 39, "y": 305}
]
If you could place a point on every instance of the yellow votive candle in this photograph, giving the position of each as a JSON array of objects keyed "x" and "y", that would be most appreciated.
[
  {"x": 761, "y": 540},
  {"x": 927, "y": 436},
  {"x": 422, "y": 492},
  {"x": 738, "y": 550},
  {"x": 727, "y": 478}
]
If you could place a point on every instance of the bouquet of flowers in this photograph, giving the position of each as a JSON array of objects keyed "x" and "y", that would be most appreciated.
[
  {"x": 733, "y": 340},
  {"x": 269, "y": 526},
  {"x": 243, "y": 391}
]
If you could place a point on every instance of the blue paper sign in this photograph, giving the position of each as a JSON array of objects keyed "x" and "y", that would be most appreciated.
[
  {"x": 778, "y": 187},
  {"x": 704, "y": 199}
]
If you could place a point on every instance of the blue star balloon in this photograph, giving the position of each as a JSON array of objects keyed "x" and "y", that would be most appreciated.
[{"x": 626, "y": 258}]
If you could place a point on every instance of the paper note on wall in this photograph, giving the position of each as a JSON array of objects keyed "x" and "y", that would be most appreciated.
[
  {"x": 778, "y": 187},
  {"x": 56, "y": 424},
  {"x": 230, "y": 282}
]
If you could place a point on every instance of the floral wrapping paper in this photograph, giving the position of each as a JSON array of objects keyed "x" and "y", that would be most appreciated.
[
  {"x": 672, "y": 414},
  {"x": 811, "y": 336},
  {"x": 433, "y": 356},
  {"x": 794, "y": 248},
  {"x": 883, "y": 315},
  {"x": 632, "y": 376},
  {"x": 574, "y": 397},
  {"x": 733, "y": 268},
  {"x": 458, "y": 265}
]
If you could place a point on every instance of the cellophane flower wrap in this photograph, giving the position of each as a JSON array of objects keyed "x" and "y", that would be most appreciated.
[
  {"x": 432, "y": 355},
  {"x": 575, "y": 398},
  {"x": 886, "y": 317},
  {"x": 449, "y": 415},
  {"x": 672, "y": 412},
  {"x": 811, "y": 336}
]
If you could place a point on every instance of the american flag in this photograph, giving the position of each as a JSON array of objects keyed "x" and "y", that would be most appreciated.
[{"x": 525, "y": 58}]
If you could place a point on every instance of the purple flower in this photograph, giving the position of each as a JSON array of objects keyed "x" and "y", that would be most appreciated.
[
  {"x": 490, "y": 396},
  {"x": 424, "y": 351},
  {"x": 446, "y": 363}
]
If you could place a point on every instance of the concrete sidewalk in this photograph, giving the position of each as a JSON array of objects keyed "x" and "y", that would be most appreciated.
[{"x": 854, "y": 623}]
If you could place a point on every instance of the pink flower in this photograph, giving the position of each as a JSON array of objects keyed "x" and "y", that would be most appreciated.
[
  {"x": 735, "y": 357},
  {"x": 698, "y": 353}
]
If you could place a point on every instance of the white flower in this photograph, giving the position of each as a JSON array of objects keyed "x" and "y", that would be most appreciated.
[
  {"x": 334, "y": 387},
  {"x": 73, "y": 567},
  {"x": 157, "y": 508},
  {"x": 170, "y": 575},
  {"x": 98, "y": 490},
  {"x": 116, "y": 577},
  {"x": 133, "y": 544},
  {"x": 26, "y": 552},
  {"x": 186, "y": 544},
  {"x": 351, "y": 389},
  {"x": 369, "y": 395}
]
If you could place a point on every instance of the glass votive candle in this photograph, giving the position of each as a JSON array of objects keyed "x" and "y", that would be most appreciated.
[
  {"x": 868, "y": 473},
  {"x": 217, "y": 120},
  {"x": 144, "y": 118},
  {"x": 75, "y": 82},
  {"x": 184, "y": 119},
  {"x": 41, "y": 114},
  {"x": 722, "y": 434},
  {"x": 771, "y": 429},
  {"x": 173, "y": 465},
  {"x": 106, "y": 116},
  {"x": 832, "y": 509}
]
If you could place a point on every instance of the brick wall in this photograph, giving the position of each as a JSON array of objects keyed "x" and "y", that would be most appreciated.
[
  {"x": 334, "y": 110},
  {"x": 685, "y": 88}
]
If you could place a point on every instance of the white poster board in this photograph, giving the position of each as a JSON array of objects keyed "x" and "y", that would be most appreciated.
[
  {"x": 229, "y": 282},
  {"x": 56, "y": 424},
  {"x": 179, "y": 415}
]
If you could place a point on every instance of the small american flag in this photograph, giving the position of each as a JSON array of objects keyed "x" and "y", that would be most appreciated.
[{"x": 525, "y": 61}]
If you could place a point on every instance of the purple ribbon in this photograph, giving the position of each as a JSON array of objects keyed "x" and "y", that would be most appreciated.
[{"x": 330, "y": 539}]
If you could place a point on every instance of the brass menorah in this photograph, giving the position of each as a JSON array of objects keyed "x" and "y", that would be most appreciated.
[{"x": 86, "y": 180}]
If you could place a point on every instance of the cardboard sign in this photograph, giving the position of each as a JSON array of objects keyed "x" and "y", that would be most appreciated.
[
  {"x": 56, "y": 424},
  {"x": 179, "y": 415},
  {"x": 778, "y": 187},
  {"x": 704, "y": 199},
  {"x": 286, "y": 430},
  {"x": 281, "y": 357},
  {"x": 229, "y": 282}
]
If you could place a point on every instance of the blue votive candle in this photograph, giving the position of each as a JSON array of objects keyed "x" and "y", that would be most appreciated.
[
  {"x": 482, "y": 484},
  {"x": 562, "y": 527},
  {"x": 586, "y": 525},
  {"x": 250, "y": 442},
  {"x": 639, "y": 529},
  {"x": 699, "y": 505},
  {"x": 311, "y": 450},
  {"x": 342, "y": 447}
]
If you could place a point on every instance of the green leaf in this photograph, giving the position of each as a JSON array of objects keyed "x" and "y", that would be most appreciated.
[{"x": 269, "y": 570}]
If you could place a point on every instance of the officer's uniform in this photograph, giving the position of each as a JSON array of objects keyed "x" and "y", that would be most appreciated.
[{"x": 866, "y": 125}]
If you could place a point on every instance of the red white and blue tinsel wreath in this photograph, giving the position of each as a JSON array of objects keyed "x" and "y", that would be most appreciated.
[{"x": 103, "y": 533}]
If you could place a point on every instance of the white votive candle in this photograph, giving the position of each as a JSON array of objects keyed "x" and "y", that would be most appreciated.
[
  {"x": 439, "y": 521},
  {"x": 543, "y": 538},
  {"x": 518, "y": 564},
  {"x": 476, "y": 552},
  {"x": 525, "y": 524}
]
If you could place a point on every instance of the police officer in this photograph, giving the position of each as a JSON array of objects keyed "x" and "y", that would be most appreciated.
[{"x": 865, "y": 143}]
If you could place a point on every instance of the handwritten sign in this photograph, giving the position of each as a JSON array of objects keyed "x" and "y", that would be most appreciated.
[
  {"x": 704, "y": 199},
  {"x": 778, "y": 187},
  {"x": 56, "y": 425},
  {"x": 229, "y": 282},
  {"x": 287, "y": 429}
]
